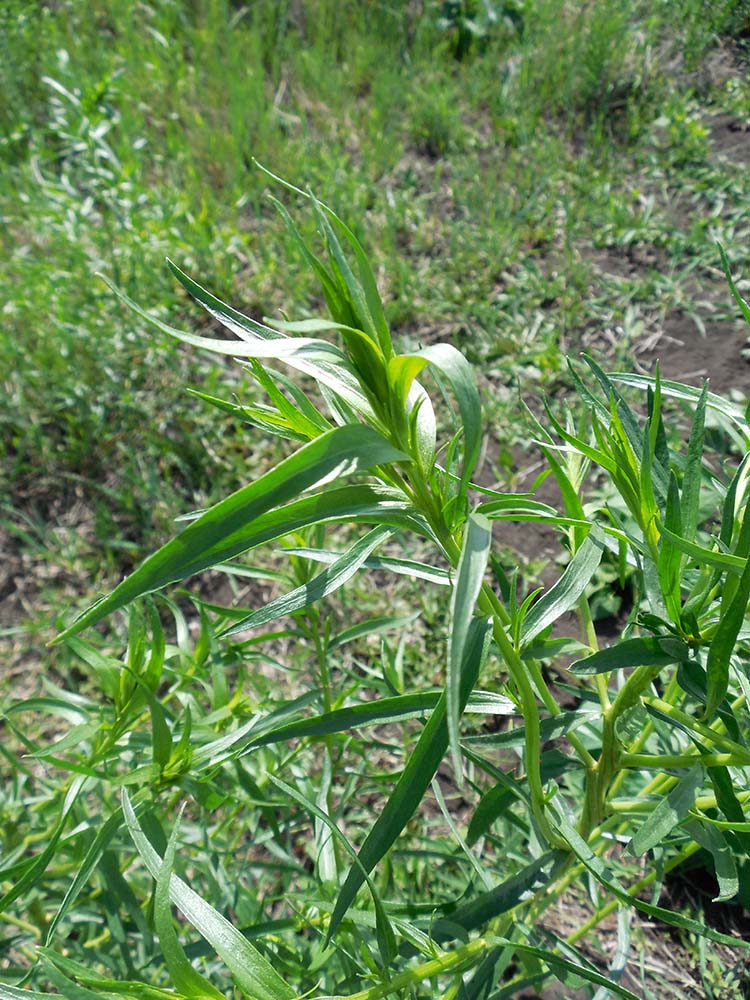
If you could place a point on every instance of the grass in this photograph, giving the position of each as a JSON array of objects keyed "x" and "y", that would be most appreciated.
[
  {"x": 480, "y": 182},
  {"x": 553, "y": 182}
]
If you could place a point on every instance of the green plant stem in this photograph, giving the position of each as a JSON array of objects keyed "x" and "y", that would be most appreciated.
[
  {"x": 702, "y": 803},
  {"x": 490, "y": 604},
  {"x": 453, "y": 961},
  {"x": 598, "y": 790},
  {"x": 661, "y": 761},
  {"x": 700, "y": 728},
  {"x": 590, "y": 637},
  {"x": 554, "y": 709},
  {"x": 669, "y": 695}
]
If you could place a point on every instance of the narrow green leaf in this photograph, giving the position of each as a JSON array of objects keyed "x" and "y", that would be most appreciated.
[
  {"x": 91, "y": 859},
  {"x": 469, "y": 575},
  {"x": 324, "y": 362},
  {"x": 320, "y": 586},
  {"x": 185, "y": 978},
  {"x": 519, "y": 505},
  {"x": 730, "y": 805},
  {"x": 691, "y": 479},
  {"x": 415, "y": 778},
  {"x": 505, "y": 897},
  {"x": 34, "y": 872},
  {"x": 8, "y": 992},
  {"x": 744, "y": 307},
  {"x": 723, "y": 643},
  {"x": 383, "y": 925},
  {"x": 565, "y": 593},
  {"x": 670, "y": 811},
  {"x": 493, "y": 803},
  {"x": 598, "y": 869},
  {"x": 581, "y": 968},
  {"x": 366, "y": 276},
  {"x": 669, "y": 556},
  {"x": 73, "y": 970},
  {"x": 623, "y": 414},
  {"x": 370, "y": 627},
  {"x": 704, "y": 556},
  {"x": 715, "y": 842},
  {"x": 549, "y": 729},
  {"x": 689, "y": 394},
  {"x": 369, "y": 713},
  {"x": 459, "y": 373},
  {"x": 404, "y": 567},
  {"x": 645, "y": 651},
  {"x": 596, "y": 455},
  {"x": 254, "y": 975},
  {"x": 227, "y": 529}
]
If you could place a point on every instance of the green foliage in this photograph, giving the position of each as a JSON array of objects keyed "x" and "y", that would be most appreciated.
[
  {"x": 655, "y": 754},
  {"x": 492, "y": 152}
]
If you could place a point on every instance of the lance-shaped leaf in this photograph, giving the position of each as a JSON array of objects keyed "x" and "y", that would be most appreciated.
[
  {"x": 405, "y": 567},
  {"x": 367, "y": 284},
  {"x": 185, "y": 978},
  {"x": 253, "y": 973},
  {"x": 672, "y": 809},
  {"x": 454, "y": 367},
  {"x": 744, "y": 307},
  {"x": 320, "y": 586},
  {"x": 360, "y": 715},
  {"x": 471, "y": 566},
  {"x": 716, "y": 843},
  {"x": 415, "y": 778},
  {"x": 224, "y": 531},
  {"x": 323, "y": 361},
  {"x": 691, "y": 480},
  {"x": 689, "y": 394},
  {"x": 486, "y": 906},
  {"x": 723, "y": 642},
  {"x": 601, "y": 873},
  {"x": 644, "y": 651},
  {"x": 565, "y": 593}
]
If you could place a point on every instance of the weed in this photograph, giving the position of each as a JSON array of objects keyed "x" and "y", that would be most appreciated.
[{"x": 653, "y": 752}]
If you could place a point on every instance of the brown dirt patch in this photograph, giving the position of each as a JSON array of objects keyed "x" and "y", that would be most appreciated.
[
  {"x": 688, "y": 355},
  {"x": 730, "y": 137}
]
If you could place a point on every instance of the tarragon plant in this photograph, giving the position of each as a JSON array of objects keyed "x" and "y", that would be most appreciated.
[{"x": 598, "y": 757}]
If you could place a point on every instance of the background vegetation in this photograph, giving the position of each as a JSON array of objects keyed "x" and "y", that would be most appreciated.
[{"x": 531, "y": 177}]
